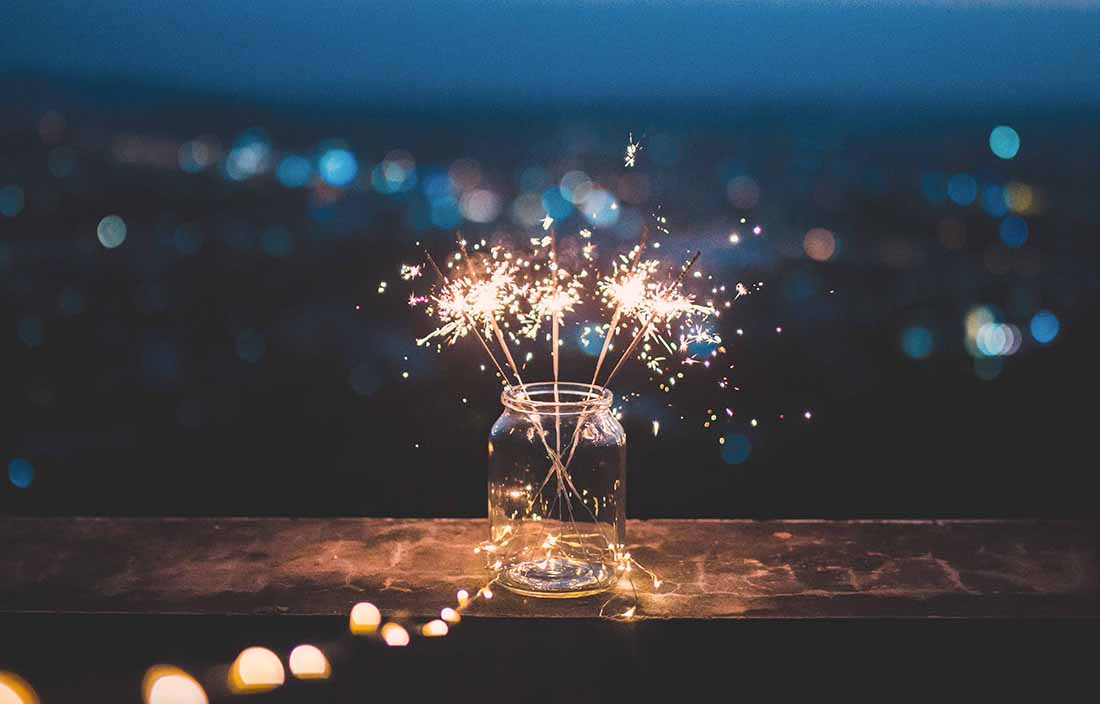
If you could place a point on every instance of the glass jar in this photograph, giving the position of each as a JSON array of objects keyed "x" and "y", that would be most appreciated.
[{"x": 557, "y": 490}]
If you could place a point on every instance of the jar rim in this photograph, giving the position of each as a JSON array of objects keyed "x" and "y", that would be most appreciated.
[{"x": 573, "y": 398}]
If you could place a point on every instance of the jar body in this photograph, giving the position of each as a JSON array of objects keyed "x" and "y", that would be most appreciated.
[{"x": 557, "y": 491}]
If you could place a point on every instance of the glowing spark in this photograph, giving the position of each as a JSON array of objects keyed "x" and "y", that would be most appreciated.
[
  {"x": 547, "y": 221},
  {"x": 411, "y": 271},
  {"x": 656, "y": 428},
  {"x": 632, "y": 149}
]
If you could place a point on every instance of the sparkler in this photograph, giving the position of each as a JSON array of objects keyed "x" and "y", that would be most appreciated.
[{"x": 503, "y": 295}]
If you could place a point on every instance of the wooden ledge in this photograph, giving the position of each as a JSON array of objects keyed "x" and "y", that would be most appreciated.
[{"x": 710, "y": 568}]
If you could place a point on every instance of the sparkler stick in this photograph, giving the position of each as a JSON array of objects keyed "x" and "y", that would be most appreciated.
[
  {"x": 629, "y": 350},
  {"x": 492, "y": 318},
  {"x": 619, "y": 307},
  {"x": 652, "y": 318},
  {"x": 472, "y": 323}
]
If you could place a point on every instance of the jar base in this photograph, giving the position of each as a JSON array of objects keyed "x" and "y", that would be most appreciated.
[{"x": 557, "y": 578}]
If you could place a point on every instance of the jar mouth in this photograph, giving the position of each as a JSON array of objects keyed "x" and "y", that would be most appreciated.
[{"x": 573, "y": 398}]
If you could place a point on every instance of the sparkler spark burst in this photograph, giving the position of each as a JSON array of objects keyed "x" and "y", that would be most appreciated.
[
  {"x": 515, "y": 297},
  {"x": 518, "y": 292}
]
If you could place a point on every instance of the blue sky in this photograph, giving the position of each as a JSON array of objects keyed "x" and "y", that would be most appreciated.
[{"x": 445, "y": 52}]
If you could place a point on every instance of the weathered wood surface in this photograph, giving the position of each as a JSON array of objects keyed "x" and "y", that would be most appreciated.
[{"x": 710, "y": 568}]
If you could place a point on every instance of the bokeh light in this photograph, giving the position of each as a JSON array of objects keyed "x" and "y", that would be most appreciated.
[
  {"x": 16, "y": 690},
  {"x": 250, "y": 346},
  {"x": 21, "y": 473},
  {"x": 480, "y": 205},
  {"x": 395, "y": 635},
  {"x": 364, "y": 619},
  {"x": 601, "y": 209},
  {"x": 434, "y": 629},
  {"x": 1044, "y": 327},
  {"x": 917, "y": 342},
  {"x": 307, "y": 662},
  {"x": 294, "y": 171},
  {"x": 1004, "y": 141},
  {"x": 256, "y": 669},
  {"x": 1013, "y": 231},
  {"x": 743, "y": 192},
  {"x": 30, "y": 331},
  {"x": 111, "y": 231},
  {"x": 736, "y": 448},
  {"x": 819, "y": 244},
  {"x": 165, "y": 684},
  {"x": 962, "y": 189},
  {"x": 11, "y": 200},
  {"x": 337, "y": 167}
]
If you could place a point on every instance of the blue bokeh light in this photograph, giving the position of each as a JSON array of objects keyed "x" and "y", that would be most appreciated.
[
  {"x": 1004, "y": 141},
  {"x": 1014, "y": 231},
  {"x": 111, "y": 231},
  {"x": 917, "y": 342},
  {"x": 736, "y": 449},
  {"x": 338, "y": 167},
  {"x": 555, "y": 204},
  {"x": 21, "y": 472},
  {"x": 11, "y": 201},
  {"x": 993, "y": 201},
  {"x": 250, "y": 346},
  {"x": 1044, "y": 327},
  {"x": 277, "y": 242},
  {"x": 962, "y": 189},
  {"x": 294, "y": 171},
  {"x": 30, "y": 331}
]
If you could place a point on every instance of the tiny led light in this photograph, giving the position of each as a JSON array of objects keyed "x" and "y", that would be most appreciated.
[
  {"x": 307, "y": 662},
  {"x": 256, "y": 670},
  {"x": 395, "y": 635},
  {"x": 434, "y": 629},
  {"x": 365, "y": 618},
  {"x": 165, "y": 684},
  {"x": 463, "y": 597}
]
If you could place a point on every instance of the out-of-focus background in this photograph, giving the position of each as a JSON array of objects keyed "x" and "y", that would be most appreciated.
[{"x": 200, "y": 202}]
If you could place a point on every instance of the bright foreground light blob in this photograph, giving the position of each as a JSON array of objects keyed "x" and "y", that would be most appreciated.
[
  {"x": 450, "y": 615},
  {"x": 395, "y": 635},
  {"x": 164, "y": 684},
  {"x": 307, "y": 662},
  {"x": 434, "y": 629},
  {"x": 365, "y": 618},
  {"x": 1004, "y": 141},
  {"x": 16, "y": 690},
  {"x": 256, "y": 670}
]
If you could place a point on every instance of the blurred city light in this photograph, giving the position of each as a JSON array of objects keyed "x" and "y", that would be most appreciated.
[
  {"x": 21, "y": 473},
  {"x": 1044, "y": 327},
  {"x": 1004, "y": 141},
  {"x": 736, "y": 448},
  {"x": 1013, "y": 231},
  {"x": 111, "y": 231},
  {"x": 962, "y": 189},
  {"x": 917, "y": 342},
  {"x": 337, "y": 167}
]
